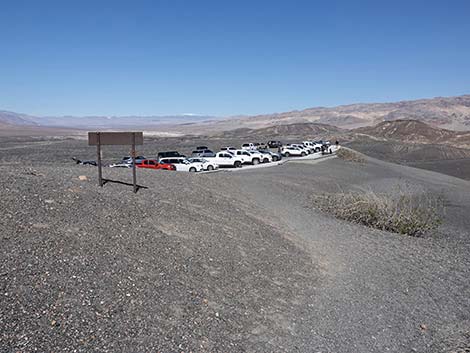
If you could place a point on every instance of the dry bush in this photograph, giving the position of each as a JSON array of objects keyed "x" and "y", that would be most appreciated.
[
  {"x": 401, "y": 213},
  {"x": 350, "y": 155}
]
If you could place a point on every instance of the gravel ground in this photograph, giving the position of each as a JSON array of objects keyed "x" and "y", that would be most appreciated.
[
  {"x": 450, "y": 160},
  {"x": 222, "y": 262}
]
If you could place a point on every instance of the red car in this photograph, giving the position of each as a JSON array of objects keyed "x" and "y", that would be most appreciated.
[{"x": 153, "y": 164}]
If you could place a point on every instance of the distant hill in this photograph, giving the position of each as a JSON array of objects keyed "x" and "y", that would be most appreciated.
[
  {"x": 10, "y": 118},
  {"x": 413, "y": 131},
  {"x": 284, "y": 132},
  {"x": 452, "y": 113}
]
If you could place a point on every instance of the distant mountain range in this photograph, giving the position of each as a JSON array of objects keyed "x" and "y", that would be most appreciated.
[
  {"x": 97, "y": 122},
  {"x": 452, "y": 113}
]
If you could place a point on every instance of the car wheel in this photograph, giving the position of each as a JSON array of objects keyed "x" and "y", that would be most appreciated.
[
  {"x": 287, "y": 154},
  {"x": 210, "y": 168},
  {"x": 255, "y": 161},
  {"x": 238, "y": 164},
  {"x": 275, "y": 159},
  {"x": 265, "y": 160},
  {"x": 192, "y": 170},
  {"x": 317, "y": 149},
  {"x": 303, "y": 154}
]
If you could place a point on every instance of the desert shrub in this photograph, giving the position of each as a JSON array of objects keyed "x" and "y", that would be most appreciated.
[
  {"x": 350, "y": 155},
  {"x": 398, "y": 213}
]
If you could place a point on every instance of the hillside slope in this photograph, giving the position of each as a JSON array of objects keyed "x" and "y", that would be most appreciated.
[
  {"x": 223, "y": 262},
  {"x": 283, "y": 132},
  {"x": 446, "y": 112},
  {"x": 413, "y": 131}
]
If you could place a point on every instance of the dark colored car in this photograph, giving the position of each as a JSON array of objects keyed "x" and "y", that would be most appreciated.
[
  {"x": 78, "y": 161},
  {"x": 203, "y": 153},
  {"x": 138, "y": 159},
  {"x": 169, "y": 154},
  {"x": 274, "y": 144}
]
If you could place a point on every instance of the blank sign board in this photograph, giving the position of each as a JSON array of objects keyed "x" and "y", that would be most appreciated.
[{"x": 115, "y": 138}]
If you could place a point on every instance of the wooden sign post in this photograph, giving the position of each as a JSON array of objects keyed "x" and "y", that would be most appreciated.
[{"x": 115, "y": 138}]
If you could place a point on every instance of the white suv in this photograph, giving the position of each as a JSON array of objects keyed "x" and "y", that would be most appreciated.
[
  {"x": 228, "y": 148},
  {"x": 182, "y": 164},
  {"x": 313, "y": 146},
  {"x": 288, "y": 151},
  {"x": 263, "y": 157},
  {"x": 206, "y": 164},
  {"x": 248, "y": 146},
  {"x": 248, "y": 156},
  {"x": 302, "y": 147}
]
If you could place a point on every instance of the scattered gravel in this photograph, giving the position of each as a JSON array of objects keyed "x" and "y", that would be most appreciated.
[{"x": 223, "y": 262}]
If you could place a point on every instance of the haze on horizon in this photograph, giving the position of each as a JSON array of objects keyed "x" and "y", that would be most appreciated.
[{"x": 213, "y": 58}]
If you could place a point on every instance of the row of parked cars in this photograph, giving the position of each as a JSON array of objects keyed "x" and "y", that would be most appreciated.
[
  {"x": 204, "y": 159},
  {"x": 306, "y": 147}
]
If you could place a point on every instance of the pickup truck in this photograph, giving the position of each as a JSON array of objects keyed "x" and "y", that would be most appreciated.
[
  {"x": 247, "y": 156},
  {"x": 313, "y": 146},
  {"x": 226, "y": 159}
]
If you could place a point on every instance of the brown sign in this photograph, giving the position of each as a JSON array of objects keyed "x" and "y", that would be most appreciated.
[{"x": 115, "y": 138}]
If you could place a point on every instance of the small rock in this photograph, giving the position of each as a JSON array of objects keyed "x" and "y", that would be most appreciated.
[
  {"x": 423, "y": 327},
  {"x": 49, "y": 201},
  {"x": 83, "y": 178}
]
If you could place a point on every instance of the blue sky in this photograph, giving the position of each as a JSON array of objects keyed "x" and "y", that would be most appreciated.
[{"x": 227, "y": 57}]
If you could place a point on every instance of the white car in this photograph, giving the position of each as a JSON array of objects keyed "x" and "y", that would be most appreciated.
[
  {"x": 228, "y": 148},
  {"x": 206, "y": 164},
  {"x": 182, "y": 164},
  {"x": 313, "y": 146},
  {"x": 248, "y": 146},
  {"x": 263, "y": 157},
  {"x": 226, "y": 159},
  {"x": 302, "y": 147},
  {"x": 121, "y": 165},
  {"x": 251, "y": 157},
  {"x": 288, "y": 151}
]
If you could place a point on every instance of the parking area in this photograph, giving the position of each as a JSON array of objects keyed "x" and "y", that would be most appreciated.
[
  {"x": 306, "y": 159},
  {"x": 249, "y": 156}
]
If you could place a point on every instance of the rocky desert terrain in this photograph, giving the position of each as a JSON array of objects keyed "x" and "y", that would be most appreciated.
[
  {"x": 221, "y": 262},
  {"x": 240, "y": 261}
]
